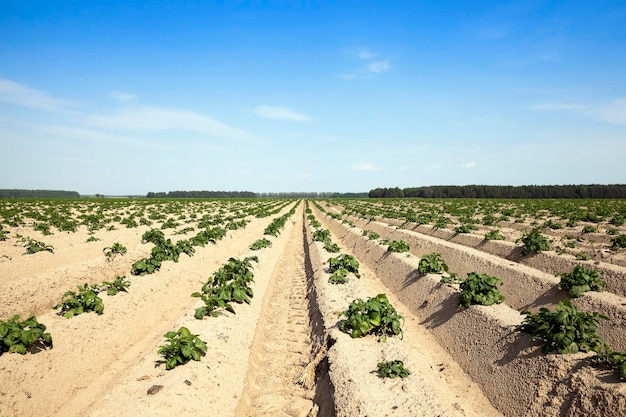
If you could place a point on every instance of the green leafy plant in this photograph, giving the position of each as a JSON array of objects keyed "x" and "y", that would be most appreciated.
[
  {"x": 589, "y": 229},
  {"x": 565, "y": 330},
  {"x": 344, "y": 261},
  {"x": 116, "y": 249},
  {"x": 398, "y": 246},
  {"x": 320, "y": 235},
  {"x": 18, "y": 336},
  {"x": 480, "y": 289},
  {"x": 145, "y": 266},
  {"x": 260, "y": 244},
  {"x": 618, "y": 241},
  {"x": 432, "y": 263},
  {"x": 393, "y": 369},
  {"x": 119, "y": 284},
  {"x": 441, "y": 223},
  {"x": 373, "y": 316},
  {"x": 92, "y": 239},
  {"x": 371, "y": 234},
  {"x": 534, "y": 242},
  {"x": 612, "y": 360},
  {"x": 181, "y": 347},
  {"x": 85, "y": 300},
  {"x": 465, "y": 228},
  {"x": 494, "y": 235},
  {"x": 340, "y": 276},
  {"x": 581, "y": 280},
  {"x": 331, "y": 246},
  {"x": 582, "y": 256},
  {"x": 229, "y": 284},
  {"x": 33, "y": 246}
]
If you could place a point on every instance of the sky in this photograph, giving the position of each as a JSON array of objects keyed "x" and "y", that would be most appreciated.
[{"x": 127, "y": 97}]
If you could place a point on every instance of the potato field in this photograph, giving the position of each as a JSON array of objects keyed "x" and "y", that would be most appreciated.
[{"x": 271, "y": 307}]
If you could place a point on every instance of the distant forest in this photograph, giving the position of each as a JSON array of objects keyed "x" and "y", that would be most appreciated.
[
  {"x": 504, "y": 191},
  {"x": 249, "y": 194},
  {"x": 38, "y": 194},
  {"x": 203, "y": 194}
]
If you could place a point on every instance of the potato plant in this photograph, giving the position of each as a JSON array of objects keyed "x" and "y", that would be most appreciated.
[
  {"x": 229, "y": 284},
  {"x": 119, "y": 284},
  {"x": 534, "y": 242},
  {"x": 494, "y": 235},
  {"x": 260, "y": 244},
  {"x": 33, "y": 246},
  {"x": 432, "y": 263},
  {"x": 565, "y": 330},
  {"x": 480, "y": 289},
  {"x": 180, "y": 347},
  {"x": 372, "y": 316},
  {"x": 18, "y": 336},
  {"x": 612, "y": 360},
  {"x": 581, "y": 280},
  {"x": 116, "y": 249},
  {"x": 392, "y": 369},
  {"x": 398, "y": 246},
  {"x": 85, "y": 300}
]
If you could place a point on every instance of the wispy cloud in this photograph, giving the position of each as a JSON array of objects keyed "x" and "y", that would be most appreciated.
[
  {"x": 557, "y": 107},
  {"x": 613, "y": 112},
  {"x": 365, "y": 167},
  {"x": 12, "y": 92},
  {"x": 378, "y": 67},
  {"x": 280, "y": 113},
  {"x": 81, "y": 134},
  {"x": 123, "y": 97},
  {"x": 156, "y": 119},
  {"x": 364, "y": 54},
  {"x": 371, "y": 65},
  {"x": 469, "y": 165}
]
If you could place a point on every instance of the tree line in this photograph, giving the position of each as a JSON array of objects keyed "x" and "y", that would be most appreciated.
[
  {"x": 38, "y": 194},
  {"x": 504, "y": 191},
  {"x": 202, "y": 194},
  {"x": 249, "y": 194}
]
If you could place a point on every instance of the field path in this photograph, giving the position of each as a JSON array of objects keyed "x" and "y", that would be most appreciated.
[{"x": 282, "y": 346}]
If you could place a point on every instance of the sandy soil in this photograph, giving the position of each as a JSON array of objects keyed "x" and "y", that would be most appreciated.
[{"x": 282, "y": 355}]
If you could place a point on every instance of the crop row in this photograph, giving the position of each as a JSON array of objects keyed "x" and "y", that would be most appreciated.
[{"x": 478, "y": 337}]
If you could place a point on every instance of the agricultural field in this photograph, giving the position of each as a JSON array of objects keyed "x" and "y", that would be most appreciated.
[{"x": 312, "y": 308}]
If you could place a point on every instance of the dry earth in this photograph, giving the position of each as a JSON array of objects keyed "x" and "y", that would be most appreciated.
[{"x": 283, "y": 354}]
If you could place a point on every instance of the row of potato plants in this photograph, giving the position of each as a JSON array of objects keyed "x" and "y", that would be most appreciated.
[
  {"x": 606, "y": 214},
  {"x": 230, "y": 284},
  {"x": 564, "y": 330},
  {"x": 19, "y": 336},
  {"x": 374, "y": 316},
  {"x": 587, "y": 239}
]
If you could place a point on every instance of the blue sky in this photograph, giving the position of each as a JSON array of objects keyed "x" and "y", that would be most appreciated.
[{"x": 123, "y": 97}]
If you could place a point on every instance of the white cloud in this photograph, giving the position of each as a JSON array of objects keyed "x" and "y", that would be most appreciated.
[
  {"x": 364, "y": 54},
  {"x": 81, "y": 134},
  {"x": 469, "y": 165},
  {"x": 557, "y": 107},
  {"x": 22, "y": 95},
  {"x": 280, "y": 113},
  {"x": 613, "y": 112},
  {"x": 122, "y": 96},
  {"x": 156, "y": 119},
  {"x": 365, "y": 167},
  {"x": 378, "y": 67},
  {"x": 369, "y": 68}
]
